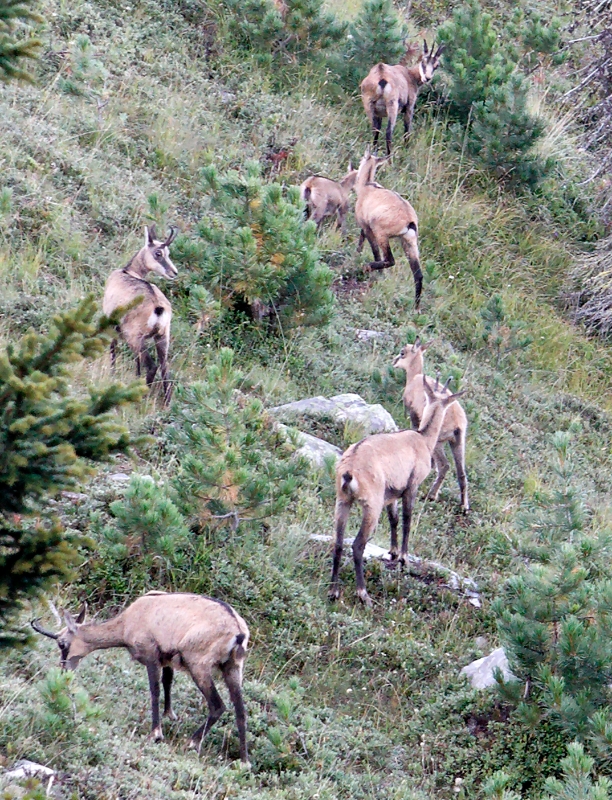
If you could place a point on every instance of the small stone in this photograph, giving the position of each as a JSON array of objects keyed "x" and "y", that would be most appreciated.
[
  {"x": 364, "y": 335},
  {"x": 481, "y": 672},
  {"x": 120, "y": 477}
]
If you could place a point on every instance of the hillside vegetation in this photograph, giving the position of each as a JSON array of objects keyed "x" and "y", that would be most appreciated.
[{"x": 136, "y": 112}]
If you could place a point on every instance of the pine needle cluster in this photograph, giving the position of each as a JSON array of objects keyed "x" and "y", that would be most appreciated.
[{"x": 49, "y": 435}]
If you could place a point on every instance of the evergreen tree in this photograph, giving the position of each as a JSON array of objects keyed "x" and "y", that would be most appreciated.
[
  {"x": 15, "y": 49},
  {"x": 289, "y": 31},
  {"x": 235, "y": 467},
  {"x": 48, "y": 436},
  {"x": 555, "y": 616},
  {"x": 257, "y": 253},
  {"x": 486, "y": 92},
  {"x": 577, "y": 783},
  {"x": 376, "y": 35}
]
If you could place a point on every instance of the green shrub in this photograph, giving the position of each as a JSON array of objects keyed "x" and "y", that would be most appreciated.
[
  {"x": 256, "y": 254},
  {"x": 487, "y": 94},
  {"x": 235, "y": 467},
  {"x": 555, "y": 615},
  {"x": 302, "y": 31}
]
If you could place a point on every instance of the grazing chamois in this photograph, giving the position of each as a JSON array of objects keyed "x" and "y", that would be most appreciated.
[
  {"x": 382, "y": 214},
  {"x": 324, "y": 197},
  {"x": 168, "y": 631},
  {"x": 151, "y": 317},
  {"x": 389, "y": 90},
  {"x": 454, "y": 428},
  {"x": 376, "y": 472}
]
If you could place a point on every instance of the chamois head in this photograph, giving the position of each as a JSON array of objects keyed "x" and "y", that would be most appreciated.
[
  {"x": 438, "y": 396},
  {"x": 430, "y": 61},
  {"x": 155, "y": 254},
  {"x": 368, "y": 166},
  {"x": 410, "y": 358},
  {"x": 72, "y": 647}
]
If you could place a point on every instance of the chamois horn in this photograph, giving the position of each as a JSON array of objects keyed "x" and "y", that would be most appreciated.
[
  {"x": 39, "y": 629},
  {"x": 172, "y": 236}
]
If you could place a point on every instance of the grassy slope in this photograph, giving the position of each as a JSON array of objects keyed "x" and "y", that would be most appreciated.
[{"x": 342, "y": 702}]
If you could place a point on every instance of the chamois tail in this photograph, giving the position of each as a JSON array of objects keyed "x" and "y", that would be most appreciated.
[
  {"x": 382, "y": 87},
  {"x": 349, "y": 484}
]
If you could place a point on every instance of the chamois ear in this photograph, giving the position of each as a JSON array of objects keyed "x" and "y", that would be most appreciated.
[
  {"x": 70, "y": 622},
  {"x": 427, "y": 344},
  {"x": 417, "y": 344},
  {"x": 452, "y": 397},
  {"x": 150, "y": 235},
  {"x": 367, "y": 152},
  {"x": 350, "y": 166},
  {"x": 82, "y": 613}
]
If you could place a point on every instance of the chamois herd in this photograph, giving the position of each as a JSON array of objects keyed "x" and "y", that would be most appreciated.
[{"x": 200, "y": 635}]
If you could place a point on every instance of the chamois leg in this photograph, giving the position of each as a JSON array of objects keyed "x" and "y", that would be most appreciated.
[
  {"x": 376, "y": 123},
  {"x": 144, "y": 359},
  {"x": 393, "y": 515},
  {"x": 457, "y": 446},
  {"x": 389, "y": 135},
  {"x": 440, "y": 462},
  {"x": 389, "y": 260},
  {"x": 362, "y": 238},
  {"x": 369, "y": 234},
  {"x": 342, "y": 512},
  {"x": 408, "y": 114},
  {"x": 415, "y": 420},
  {"x": 232, "y": 675},
  {"x": 216, "y": 706},
  {"x": 408, "y": 499},
  {"x": 153, "y": 673},
  {"x": 341, "y": 214},
  {"x": 411, "y": 248},
  {"x": 162, "y": 346},
  {"x": 392, "y": 109},
  {"x": 368, "y": 526},
  {"x": 167, "y": 676}
]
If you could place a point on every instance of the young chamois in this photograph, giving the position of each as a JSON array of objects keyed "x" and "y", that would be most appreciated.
[
  {"x": 454, "y": 428},
  {"x": 324, "y": 197},
  {"x": 376, "y": 472},
  {"x": 382, "y": 214},
  {"x": 151, "y": 317},
  {"x": 166, "y": 632},
  {"x": 389, "y": 90}
]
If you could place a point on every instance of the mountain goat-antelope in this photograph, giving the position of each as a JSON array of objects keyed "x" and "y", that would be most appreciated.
[
  {"x": 382, "y": 214},
  {"x": 324, "y": 197},
  {"x": 377, "y": 472},
  {"x": 390, "y": 90},
  {"x": 151, "y": 317},
  {"x": 165, "y": 632},
  {"x": 454, "y": 428}
]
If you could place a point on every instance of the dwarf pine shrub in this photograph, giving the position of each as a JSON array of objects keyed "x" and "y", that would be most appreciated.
[
  {"x": 48, "y": 436},
  {"x": 236, "y": 468},
  {"x": 255, "y": 254},
  {"x": 487, "y": 94},
  {"x": 555, "y": 615}
]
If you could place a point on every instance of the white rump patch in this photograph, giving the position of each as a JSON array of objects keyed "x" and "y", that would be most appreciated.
[{"x": 157, "y": 320}]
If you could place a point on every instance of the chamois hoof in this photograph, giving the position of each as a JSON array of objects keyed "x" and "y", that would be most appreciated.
[
  {"x": 157, "y": 735},
  {"x": 334, "y": 595},
  {"x": 171, "y": 715},
  {"x": 364, "y": 597},
  {"x": 392, "y": 562}
]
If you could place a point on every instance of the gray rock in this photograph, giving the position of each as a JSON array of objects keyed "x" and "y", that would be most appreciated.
[
  {"x": 364, "y": 335},
  {"x": 24, "y": 769},
  {"x": 120, "y": 477},
  {"x": 480, "y": 672},
  {"x": 314, "y": 449},
  {"x": 341, "y": 408}
]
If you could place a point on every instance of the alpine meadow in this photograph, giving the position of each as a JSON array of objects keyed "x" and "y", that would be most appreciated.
[{"x": 265, "y": 263}]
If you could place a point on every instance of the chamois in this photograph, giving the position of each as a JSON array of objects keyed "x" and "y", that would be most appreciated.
[
  {"x": 324, "y": 197},
  {"x": 388, "y": 90},
  {"x": 454, "y": 428},
  {"x": 168, "y": 631},
  {"x": 382, "y": 214},
  {"x": 151, "y": 317},
  {"x": 376, "y": 472}
]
